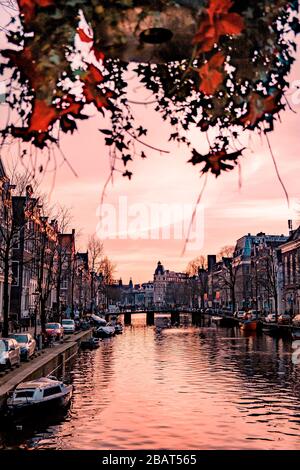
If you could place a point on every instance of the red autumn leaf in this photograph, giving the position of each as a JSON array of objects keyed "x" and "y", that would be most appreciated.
[
  {"x": 216, "y": 160},
  {"x": 92, "y": 78},
  {"x": 211, "y": 74},
  {"x": 44, "y": 114},
  {"x": 258, "y": 107},
  {"x": 83, "y": 36},
  {"x": 26, "y": 63},
  {"x": 28, "y": 7},
  {"x": 218, "y": 22},
  {"x": 98, "y": 54}
]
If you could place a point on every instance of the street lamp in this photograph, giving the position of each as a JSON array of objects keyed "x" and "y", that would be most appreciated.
[
  {"x": 92, "y": 290},
  {"x": 36, "y": 294}
]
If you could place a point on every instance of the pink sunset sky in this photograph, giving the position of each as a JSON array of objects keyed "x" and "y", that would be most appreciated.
[{"x": 230, "y": 211}]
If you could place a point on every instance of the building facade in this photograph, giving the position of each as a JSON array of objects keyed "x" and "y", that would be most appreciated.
[
  {"x": 290, "y": 262},
  {"x": 5, "y": 223},
  {"x": 256, "y": 259},
  {"x": 33, "y": 259},
  {"x": 66, "y": 269},
  {"x": 169, "y": 288}
]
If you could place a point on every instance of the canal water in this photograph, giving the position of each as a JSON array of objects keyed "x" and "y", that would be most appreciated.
[{"x": 154, "y": 388}]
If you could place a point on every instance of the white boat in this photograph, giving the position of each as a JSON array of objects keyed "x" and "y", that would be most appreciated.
[
  {"x": 104, "y": 331},
  {"x": 118, "y": 328},
  {"x": 39, "y": 394},
  {"x": 99, "y": 320},
  {"x": 92, "y": 343}
]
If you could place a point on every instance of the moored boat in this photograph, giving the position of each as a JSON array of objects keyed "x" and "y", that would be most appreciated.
[
  {"x": 99, "y": 321},
  {"x": 248, "y": 325},
  {"x": 118, "y": 328},
  {"x": 104, "y": 331},
  {"x": 39, "y": 394},
  {"x": 92, "y": 343}
]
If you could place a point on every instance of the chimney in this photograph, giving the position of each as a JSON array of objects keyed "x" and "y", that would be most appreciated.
[
  {"x": 211, "y": 261},
  {"x": 290, "y": 223}
]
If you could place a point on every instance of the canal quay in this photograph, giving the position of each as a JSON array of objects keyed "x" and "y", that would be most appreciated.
[{"x": 203, "y": 386}]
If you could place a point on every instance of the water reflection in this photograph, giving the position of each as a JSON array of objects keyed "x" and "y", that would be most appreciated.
[{"x": 157, "y": 387}]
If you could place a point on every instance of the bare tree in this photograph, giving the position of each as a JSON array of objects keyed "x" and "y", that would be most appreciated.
[
  {"x": 266, "y": 275},
  {"x": 96, "y": 251},
  {"x": 107, "y": 268},
  {"x": 64, "y": 218},
  {"x": 226, "y": 251},
  {"x": 46, "y": 253},
  {"x": 194, "y": 265},
  {"x": 228, "y": 277}
]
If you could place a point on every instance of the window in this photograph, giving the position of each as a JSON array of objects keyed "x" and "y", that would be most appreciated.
[
  {"x": 25, "y": 394},
  {"x": 16, "y": 240},
  {"x": 3, "y": 345},
  {"x": 52, "y": 391},
  {"x": 52, "y": 326},
  {"x": 64, "y": 283},
  {"x": 21, "y": 338},
  {"x": 15, "y": 273}
]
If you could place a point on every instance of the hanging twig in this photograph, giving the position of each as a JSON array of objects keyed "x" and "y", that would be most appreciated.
[
  {"x": 277, "y": 171},
  {"x": 147, "y": 145},
  {"x": 194, "y": 214},
  {"x": 66, "y": 160}
]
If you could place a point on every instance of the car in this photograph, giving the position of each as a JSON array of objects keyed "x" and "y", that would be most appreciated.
[
  {"x": 239, "y": 314},
  {"x": 54, "y": 331},
  {"x": 270, "y": 318},
  {"x": 27, "y": 344},
  {"x": 252, "y": 315},
  {"x": 68, "y": 325},
  {"x": 296, "y": 321},
  {"x": 284, "y": 319},
  {"x": 9, "y": 352}
]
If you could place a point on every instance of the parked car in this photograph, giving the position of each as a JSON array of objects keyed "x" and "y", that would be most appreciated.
[
  {"x": 284, "y": 319},
  {"x": 253, "y": 315},
  {"x": 270, "y": 318},
  {"x": 27, "y": 344},
  {"x": 54, "y": 331},
  {"x": 239, "y": 314},
  {"x": 296, "y": 321},
  {"x": 68, "y": 325},
  {"x": 9, "y": 352}
]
